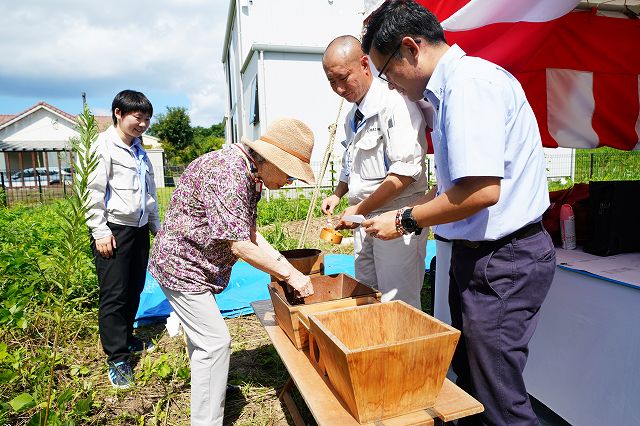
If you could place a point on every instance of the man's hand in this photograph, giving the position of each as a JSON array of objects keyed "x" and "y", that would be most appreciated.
[
  {"x": 301, "y": 284},
  {"x": 351, "y": 210},
  {"x": 382, "y": 226},
  {"x": 329, "y": 204},
  {"x": 106, "y": 246}
]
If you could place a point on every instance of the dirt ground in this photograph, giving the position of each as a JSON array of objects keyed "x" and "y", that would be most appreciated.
[{"x": 255, "y": 367}]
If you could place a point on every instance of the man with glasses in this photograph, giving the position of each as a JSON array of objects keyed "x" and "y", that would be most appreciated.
[
  {"x": 383, "y": 168},
  {"x": 490, "y": 196}
]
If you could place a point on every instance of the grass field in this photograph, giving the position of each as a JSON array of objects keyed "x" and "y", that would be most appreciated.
[{"x": 76, "y": 368}]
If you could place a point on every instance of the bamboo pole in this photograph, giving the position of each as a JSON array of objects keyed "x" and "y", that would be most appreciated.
[{"x": 323, "y": 167}]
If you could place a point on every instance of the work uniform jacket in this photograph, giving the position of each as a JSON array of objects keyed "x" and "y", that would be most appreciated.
[
  {"x": 389, "y": 139},
  {"x": 115, "y": 187}
]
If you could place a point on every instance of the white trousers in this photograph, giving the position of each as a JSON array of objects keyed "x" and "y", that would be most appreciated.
[
  {"x": 209, "y": 344},
  {"x": 394, "y": 267}
]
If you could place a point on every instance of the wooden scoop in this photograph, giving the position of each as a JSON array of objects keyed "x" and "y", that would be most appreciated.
[{"x": 329, "y": 234}]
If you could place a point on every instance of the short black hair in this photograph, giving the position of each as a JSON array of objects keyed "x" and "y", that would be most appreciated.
[
  {"x": 130, "y": 101},
  {"x": 396, "y": 19}
]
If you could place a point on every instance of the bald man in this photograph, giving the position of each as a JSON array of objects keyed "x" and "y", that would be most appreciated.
[{"x": 383, "y": 169}]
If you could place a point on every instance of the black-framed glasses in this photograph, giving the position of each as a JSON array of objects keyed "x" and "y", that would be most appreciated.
[{"x": 384, "y": 67}]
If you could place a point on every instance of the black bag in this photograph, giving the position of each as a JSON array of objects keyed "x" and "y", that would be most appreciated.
[{"x": 614, "y": 215}]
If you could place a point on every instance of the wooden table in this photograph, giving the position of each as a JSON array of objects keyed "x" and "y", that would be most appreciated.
[{"x": 327, "y": 408}]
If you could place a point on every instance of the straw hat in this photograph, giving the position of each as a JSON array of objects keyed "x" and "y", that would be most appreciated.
[{"x": 287, "y": 144}]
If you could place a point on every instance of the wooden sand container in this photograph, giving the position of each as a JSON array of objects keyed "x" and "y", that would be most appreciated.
[
  {"x": 307, "y": 261},
  {"x": 384, "y": 359},
  {"x": 330, "y": 292}
]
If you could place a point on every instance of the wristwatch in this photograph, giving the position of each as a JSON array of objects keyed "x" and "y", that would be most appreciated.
[{"x": 409, "y": 223}]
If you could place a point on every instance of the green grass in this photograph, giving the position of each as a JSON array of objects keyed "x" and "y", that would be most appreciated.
[
  {"x": 607, "y": 164},
  {"x": 285, "y": 205},
  {"x": 602, "y": 164}
]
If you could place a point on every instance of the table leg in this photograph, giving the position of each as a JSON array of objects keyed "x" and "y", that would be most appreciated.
[{"x": 285, "y": 396}]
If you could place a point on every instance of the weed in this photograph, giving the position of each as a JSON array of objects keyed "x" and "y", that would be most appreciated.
[{"x": 39, "y": 315}]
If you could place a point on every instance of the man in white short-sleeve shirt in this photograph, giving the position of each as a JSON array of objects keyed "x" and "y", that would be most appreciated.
[
  {"x": 383, "y": 168},
  {"x": 490, "y": 196}
]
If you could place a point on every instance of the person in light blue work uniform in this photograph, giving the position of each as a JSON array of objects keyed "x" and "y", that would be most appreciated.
[
  {"x": 490, "y": 196},
  {"x": 122, "y": 211}
]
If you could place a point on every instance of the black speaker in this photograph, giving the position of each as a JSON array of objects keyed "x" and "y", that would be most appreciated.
[{"x": 614, "y": 217}]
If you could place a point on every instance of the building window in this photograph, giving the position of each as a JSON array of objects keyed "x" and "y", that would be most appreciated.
[
  {"x": 234, "y": 131},
  {"x": 255, "y": 106}
]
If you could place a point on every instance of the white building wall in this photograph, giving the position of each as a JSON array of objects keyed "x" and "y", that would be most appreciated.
[
  {"x": 252, "y": 130},
  {"x": 289, "y": 84},
  {"x": 234, "y": 115},
  {"x": 156, "y": 156},
  {"x": 296, "y": 86},
  {"x": 40, "y": 125},
  {"x": 151, "y": 141},
  {"x": 297, "y": 22}
]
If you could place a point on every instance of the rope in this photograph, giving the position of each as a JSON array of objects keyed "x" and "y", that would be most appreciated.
[{"x": 323, "y": 167}]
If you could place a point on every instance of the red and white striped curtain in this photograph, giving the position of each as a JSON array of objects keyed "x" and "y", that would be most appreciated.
[{"x": 580, "y": 69}]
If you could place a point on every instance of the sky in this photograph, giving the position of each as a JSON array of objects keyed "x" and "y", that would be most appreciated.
[{"x": 170, "y": 50}]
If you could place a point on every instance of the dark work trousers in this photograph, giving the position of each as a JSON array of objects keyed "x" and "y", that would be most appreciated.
[
  {"x": 121, "y": 279},
  {"x": 495, "y": 294}
]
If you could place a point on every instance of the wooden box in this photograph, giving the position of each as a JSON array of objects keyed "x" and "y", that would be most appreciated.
[
  {"x": 385, "y": 359},
  {"x": 308, "y": 261},
  {"x": 330, "y": 292}
]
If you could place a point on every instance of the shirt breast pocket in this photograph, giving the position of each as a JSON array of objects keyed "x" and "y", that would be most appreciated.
[
  {"x": 369, "y": 158},
  {"x": 124, "y": 176}
]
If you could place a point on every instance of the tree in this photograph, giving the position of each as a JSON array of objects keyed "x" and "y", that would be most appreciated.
[
  {"x": 201, "y": 145},
  {"x": 216, "y": 130},
  {"x": 174, "y": 129},
  {"x": 181, "y": 142}
]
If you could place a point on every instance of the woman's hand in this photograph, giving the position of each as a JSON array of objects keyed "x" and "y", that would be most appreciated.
[
  {"x": 301, "y": 284},
  {"x": 382, "y": 226}
]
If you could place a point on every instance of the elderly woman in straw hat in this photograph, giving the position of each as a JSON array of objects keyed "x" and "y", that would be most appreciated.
[{"x": 210, "y": 223}]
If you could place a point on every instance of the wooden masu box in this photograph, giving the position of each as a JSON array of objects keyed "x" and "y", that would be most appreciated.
[
  {"x": 308, "y": 261},
  {"x": 330, "y": 292},
  {"x": 384, "y": 359}
]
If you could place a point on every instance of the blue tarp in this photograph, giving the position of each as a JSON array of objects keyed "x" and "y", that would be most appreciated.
[{"x": 247, "y": 284}]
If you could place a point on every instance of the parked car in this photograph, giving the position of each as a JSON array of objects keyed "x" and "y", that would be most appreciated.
[{"x": 27, "y": 177}]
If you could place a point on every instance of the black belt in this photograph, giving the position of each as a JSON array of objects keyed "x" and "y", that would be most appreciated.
[{"x": 524, "y": 232}]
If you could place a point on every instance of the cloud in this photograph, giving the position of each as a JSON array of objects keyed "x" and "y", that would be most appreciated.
[{"x": 172, "y": 47}]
